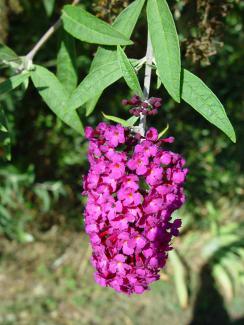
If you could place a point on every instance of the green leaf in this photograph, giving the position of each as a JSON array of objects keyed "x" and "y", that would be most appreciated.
[
  {"x": 55, "y": 96},
  {"x": 165, "y": 44},
  {"x": 162, "y": 133},
  {"x": 180, "y": 278},
  {"x": 7, "y": 55},
  {"x": 13, "y": 82},
  {"x": 88, "y": 28},
  {"x": 49, "y": 6},
  {"x": 128, "y": 72},
  {"x": 127, "y": 19},
  {"x": 223, "y": 278},
  {"x": 94, "y": 83},
  {"x": 126, "y": 123},
  {"x": 159, "y": 82},
  {"x": 66, "y": 63},
  {"x": 196, "y": 93},
  {"x": 5, "y": 141},
  {"x": 91, "y": 104},
  {"x": 132, "y": 120},
  {"x": 125, "y": 24}
]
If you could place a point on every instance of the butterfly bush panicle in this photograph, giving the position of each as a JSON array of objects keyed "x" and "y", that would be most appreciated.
[{"x": 133, "y": 186}]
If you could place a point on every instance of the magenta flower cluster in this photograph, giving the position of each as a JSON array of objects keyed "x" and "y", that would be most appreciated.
[{"x": 133, "y": 186}]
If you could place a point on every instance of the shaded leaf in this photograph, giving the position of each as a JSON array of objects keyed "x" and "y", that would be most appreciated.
[
  {"x": 13, "y": 82},
  {"x": 5, "y": 141},
  {"x": 162, "y": 133},
  {"x": 66, "y": 63},
  {"x": 197, "y": 94},
  {"x": 7, "y": 55},
  {"x": 49, "y": 6},
  {"x": 125, "y": 24},
  {"x": 165, "y": 44},
  {"x": 128, "y": 72},
  {"x": 88, "y": 28},
  {"x": 55, "y": 96}
]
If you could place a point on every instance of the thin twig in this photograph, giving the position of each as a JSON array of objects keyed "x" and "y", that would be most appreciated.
[
  {"x": 147, "y": 81},
  {"x": 46, "y": 36}
]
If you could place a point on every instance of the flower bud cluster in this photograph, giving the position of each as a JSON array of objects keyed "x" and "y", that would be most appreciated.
[
  {"x": 144, "y": 107},
  {"x": 133, "y": 186}
]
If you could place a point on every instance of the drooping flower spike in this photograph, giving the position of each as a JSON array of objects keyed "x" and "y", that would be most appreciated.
[{"x": 133, "y": 187}]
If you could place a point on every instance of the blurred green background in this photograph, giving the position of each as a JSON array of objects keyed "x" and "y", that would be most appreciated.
[{"x": 45, "y": 273}]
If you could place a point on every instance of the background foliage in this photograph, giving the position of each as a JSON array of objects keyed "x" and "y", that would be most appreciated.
[{"x": 40, "y": 188}]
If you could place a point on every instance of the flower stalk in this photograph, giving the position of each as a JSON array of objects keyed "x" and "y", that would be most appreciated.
[{"x": 46, "y": 36}]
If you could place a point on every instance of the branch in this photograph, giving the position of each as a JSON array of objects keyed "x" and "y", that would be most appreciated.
[
  {"x": 147, "y": 82},
  {"x": 46, "y": 36}
]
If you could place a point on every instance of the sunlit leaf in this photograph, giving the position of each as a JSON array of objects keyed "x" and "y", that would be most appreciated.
[
  {"x": 165, "y": 44},
  {"x": 132, "y": 120},
  {"x": 55, "y": 96},
  {"x": 128, "y": 72},
  {"x": 94, "y": 83},
  {"x": 197, "y": 94},
  {"x": 224, "y": 280},
  {"x": 88, "y": 28},
  {"x": 126, "y": 123},
  {"x": 125, "y": 24}
]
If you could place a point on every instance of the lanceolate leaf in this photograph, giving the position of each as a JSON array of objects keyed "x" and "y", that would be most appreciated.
[
  {"x": 66, "y": 64},
  {"x": 13, "y": 82},
  {"x": 162, "y": 133},
  {"x": 91, "y": 104},
  {"x": 5, "y": 140},
  {"x": 180, "y": 278},
  {"x": 128, "y": 72},
  {"x": 130, "y": 122},
  {"x": 223, "y": 278},
  {"x": 55, "y": 96},
  {"x": 196, "y": 93},
  {"x": 88, "y": 28},
  {"x": 125, "y": 24},
  {"x": 127, "y": 19},
  {"x": 95, "y": 82},
  {"x": 165, "y": 44},
  {"x": 6, "y": 54},
  {"x": 49, "y": 6}
]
